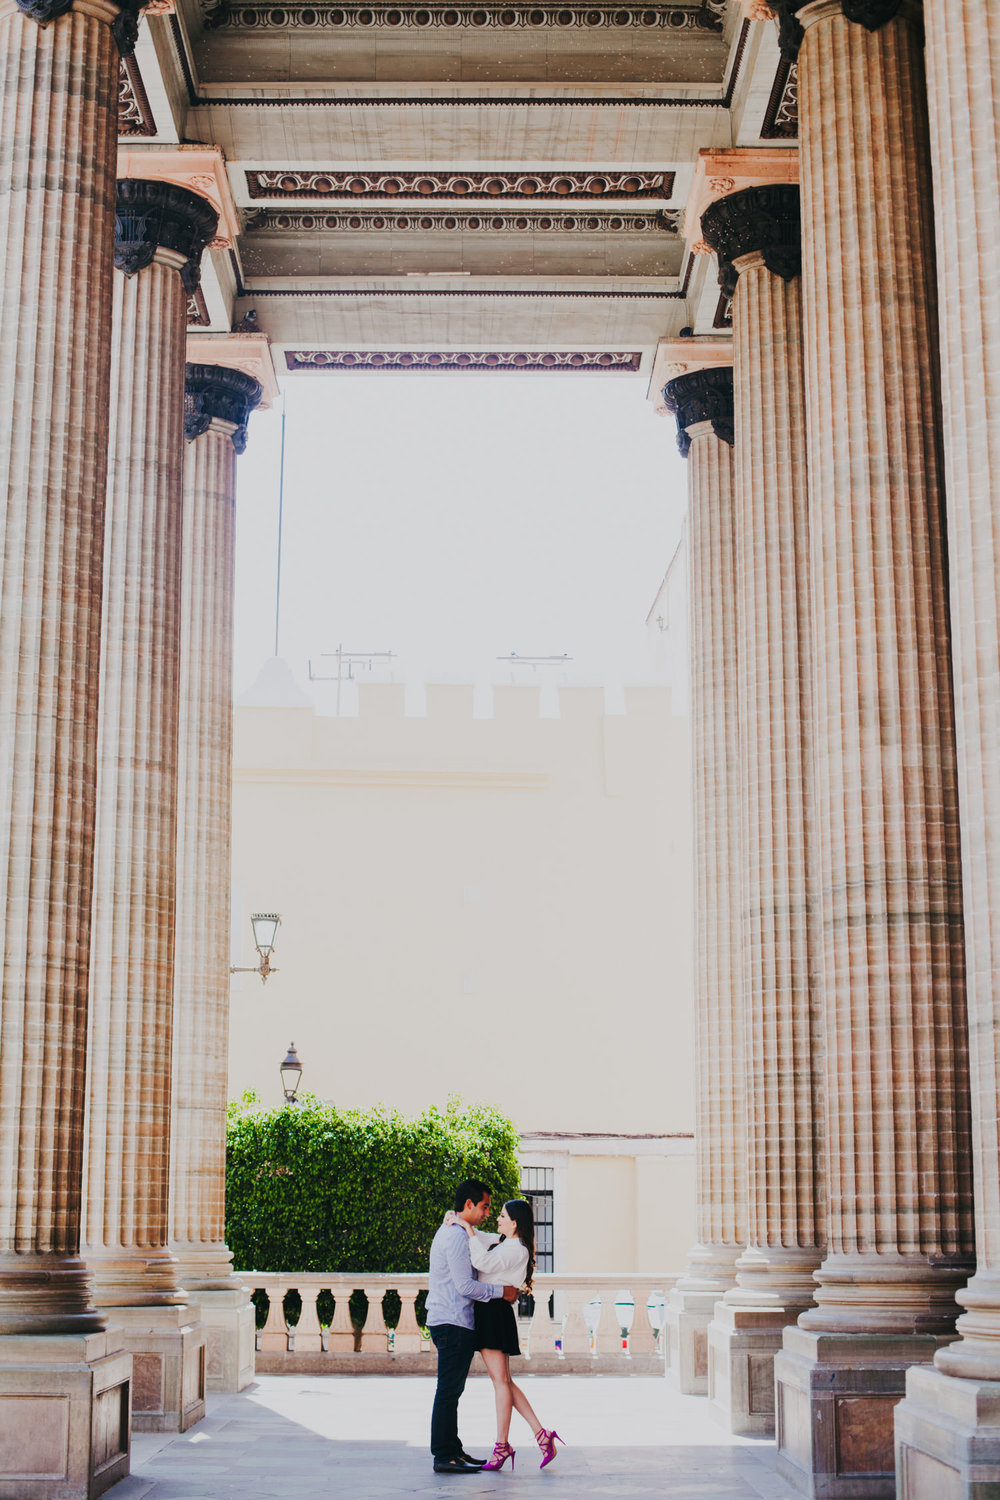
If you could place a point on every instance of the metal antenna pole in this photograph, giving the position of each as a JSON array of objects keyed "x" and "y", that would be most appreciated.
[{"x": 281, "y": 511}]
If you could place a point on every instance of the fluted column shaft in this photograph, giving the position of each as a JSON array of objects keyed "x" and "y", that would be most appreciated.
[
  {"x": 135, "y": 868},
  {"x": 757, "y": 235},
  {"x": 963, "y": 67},
  {"x": 220, "y": 401},
  {"x": 720, "y": 1135},
  {"x": 899, "y": 1199},
  {"x": 58, "y": 107}
]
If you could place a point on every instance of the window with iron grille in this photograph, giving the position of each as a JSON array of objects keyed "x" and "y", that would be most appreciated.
[{"x": 537, "y": 1184}]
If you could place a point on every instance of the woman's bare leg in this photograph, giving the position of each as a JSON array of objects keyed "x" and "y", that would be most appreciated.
[
  {"x": 498, "y": 1365},
  {"x": 523, "y": 1405}
]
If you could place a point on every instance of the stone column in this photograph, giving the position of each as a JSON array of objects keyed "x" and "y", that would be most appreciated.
[
  {"x": 899, "y": 1212},
  {"x": 161, "y": 232},
  {"x": 948, "y": 1428},
  {"x": 757, "y": 236},
  {"x": 219, "y": 402},
  {"x": 703, "y": 402},
  {"x": 58, "y": 111}
]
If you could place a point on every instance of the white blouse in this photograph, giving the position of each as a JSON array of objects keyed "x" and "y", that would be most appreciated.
[{"x": 504, "y": 1265}]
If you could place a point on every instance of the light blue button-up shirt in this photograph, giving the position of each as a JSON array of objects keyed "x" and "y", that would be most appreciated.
[{"x": 452, "y": 1283}]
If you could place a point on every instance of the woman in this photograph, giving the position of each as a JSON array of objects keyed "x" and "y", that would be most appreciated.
[{"x": 508, "y": 1262}]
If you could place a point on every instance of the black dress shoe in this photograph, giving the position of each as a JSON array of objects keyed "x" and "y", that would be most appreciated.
[
  {"x": 454, "y": 1466},
  {"x": 477, "y": 1463}
]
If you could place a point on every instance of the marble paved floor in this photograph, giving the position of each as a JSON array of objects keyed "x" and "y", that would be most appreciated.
[{"x": 365, "y": 1439}]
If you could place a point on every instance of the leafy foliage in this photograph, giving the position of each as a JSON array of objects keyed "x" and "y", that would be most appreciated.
[{"x": 315, "y": 1188}]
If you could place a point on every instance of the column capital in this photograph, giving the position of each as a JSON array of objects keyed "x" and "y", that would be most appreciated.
[
  {"x": 217, "y": 392},
  {"x": 791, "y": 23},
  {"x": 702, "y": 396},
  {"x": 249, "y": 352},
  {"x": 200, "y": 169},
  {"x": 761, "y": 221},
  {"x": 152, "y": 216},
  {"x": 677, "y": 356},
  {"x": 721, "y": 170},
  {"x": 123, "y": 16}
]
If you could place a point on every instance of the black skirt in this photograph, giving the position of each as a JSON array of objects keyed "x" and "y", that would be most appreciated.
[{"x": 496, "y": 1326}]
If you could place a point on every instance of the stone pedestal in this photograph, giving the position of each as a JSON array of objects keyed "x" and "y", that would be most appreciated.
[
  {"x": 836, "y": 1395},
  {"x": 218, "y": 402},
  {"x": 948, "y": 1427},
  {"x": 756, "y": 234},
  {"x": 168, "y": 1348},
  {"x": 703, "y": 405},
  {"x": 899, "y": 1219},
  {"x": 64, "y": 1415},
  {"x": 161, "y": 231}
]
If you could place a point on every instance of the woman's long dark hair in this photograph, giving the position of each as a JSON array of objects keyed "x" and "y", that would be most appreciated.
[{"x": 520, "y": 1212}]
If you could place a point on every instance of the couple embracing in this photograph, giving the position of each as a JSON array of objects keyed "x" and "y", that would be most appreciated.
[{"x": 473, "y": 1281}]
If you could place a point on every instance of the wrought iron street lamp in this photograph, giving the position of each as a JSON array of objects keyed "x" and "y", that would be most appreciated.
[
  {"x": 265, "y": 931},
  {"x": 291, "y": 1073}
]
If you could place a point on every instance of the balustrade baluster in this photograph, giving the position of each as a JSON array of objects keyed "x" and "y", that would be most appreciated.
[
  {"x": 575, "y": 1333},
  {"x": 307, "y": 1337},
  {"x": 609, "y": 1330},
  {"x": 642, "y": 1335},
  {"x": 340, "y": 1339},
  {"x": 409, "y": 1339},
  {"x": 543, "y": 1330},
  {"x": 375, "y": 1337},
  {"x": 274, "y": 1334}
]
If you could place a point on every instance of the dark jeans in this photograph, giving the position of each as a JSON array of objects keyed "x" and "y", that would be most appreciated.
[{"x": 455, "y": 1348}]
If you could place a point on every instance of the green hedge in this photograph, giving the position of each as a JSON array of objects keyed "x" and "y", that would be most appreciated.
[{"x": 315, "y": 1188}]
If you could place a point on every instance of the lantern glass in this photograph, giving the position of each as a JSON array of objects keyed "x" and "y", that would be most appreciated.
[
  {"x": 265, "y": 931},
  {"x": 291, "y": 1073}
]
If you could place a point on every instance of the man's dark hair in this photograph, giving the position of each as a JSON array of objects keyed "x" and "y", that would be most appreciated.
[{"x": 470, "y": 1188}]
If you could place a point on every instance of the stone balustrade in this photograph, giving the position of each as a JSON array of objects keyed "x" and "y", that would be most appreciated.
[{"x": 578, "y": 1324}]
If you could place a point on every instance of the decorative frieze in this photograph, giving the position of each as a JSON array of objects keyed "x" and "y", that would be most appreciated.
[
  {"x": 500, "y": 185},
  {"x": 343, "y": 221},
  {"x": 602, "y": 362},
  {"x": 764, "y": 219},
  {"x": 151, "y": 216},
  {"x": 134, "y": 114},
  {"x": 444, "y": 17}
]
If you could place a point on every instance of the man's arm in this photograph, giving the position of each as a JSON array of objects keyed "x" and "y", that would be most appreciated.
[{"x": 460, "y": 1265}]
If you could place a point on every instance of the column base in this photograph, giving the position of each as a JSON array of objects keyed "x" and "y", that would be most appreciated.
[
  {"x": 230, "y": 1337},
  {"x": 835, "y": 1396},
  {"x": 688, "y": 1314},
  {"x": 948, "y": 1438},
  {"x": 64, "y": 1415},
  {"x": 167, "y": 1345},
  {"x": 742, "y": 1343}
]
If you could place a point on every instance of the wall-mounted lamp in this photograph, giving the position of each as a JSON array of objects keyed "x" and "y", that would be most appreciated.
[
  {"x": 291, "y": 1073},
  {"x": 265, "y": 931}
]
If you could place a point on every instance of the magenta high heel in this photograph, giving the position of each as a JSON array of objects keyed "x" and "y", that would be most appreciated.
[
  {"x": 546, "y": 1441},
  {"x": 501, "y": 1453}
]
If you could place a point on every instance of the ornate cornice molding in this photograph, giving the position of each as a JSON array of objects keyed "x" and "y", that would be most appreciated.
[
  {"x": 345, "y": 222},
  {"x": 151, "y": 216},
  {"x": 218, "y": 392},
  {"x": 764, "y": 220},
  {"x": 135, "y": 117},
  {"x": 600, "y": 361},
  {"x": 499, "y": 186},
  {"x": 440, "y": 16},
  {"x": 872, "y": 14},
  {"x": 702, "y": 396}
]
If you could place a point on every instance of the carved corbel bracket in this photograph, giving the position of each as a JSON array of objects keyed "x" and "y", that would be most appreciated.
[
  {"x": 764, "y": 220},
  {"x": 217, "y": 392},
  {"x": 703, "y": 396},
  {"x": 152, "y": 215}
]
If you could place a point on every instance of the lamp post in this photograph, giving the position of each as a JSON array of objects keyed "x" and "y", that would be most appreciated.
[
  {"x": 265, "y": 926},
  {"x": 291, "y": 1073}
]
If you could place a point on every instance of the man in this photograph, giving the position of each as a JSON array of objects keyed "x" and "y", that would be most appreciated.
[{"x": 452, "y": 1289}]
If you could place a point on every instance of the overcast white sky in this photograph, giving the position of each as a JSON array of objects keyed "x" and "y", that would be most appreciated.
[{"x": 454, "y": 519}]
